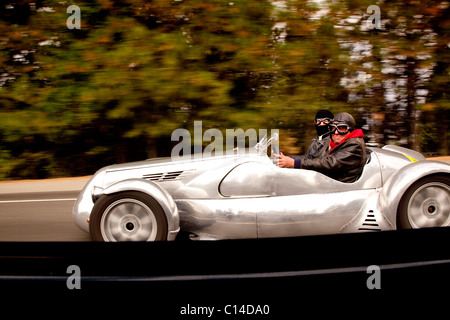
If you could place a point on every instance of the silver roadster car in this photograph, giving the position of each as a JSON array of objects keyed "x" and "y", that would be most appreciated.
[{"x": 244, "y": 195}]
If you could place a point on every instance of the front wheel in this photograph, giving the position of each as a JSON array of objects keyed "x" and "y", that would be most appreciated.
[
  {"x": 425, "y": 204},
  {"x": 128, "y": 216}
]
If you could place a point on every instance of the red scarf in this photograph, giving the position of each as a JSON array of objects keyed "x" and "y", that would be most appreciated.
[{"x": 358, "y": 133}]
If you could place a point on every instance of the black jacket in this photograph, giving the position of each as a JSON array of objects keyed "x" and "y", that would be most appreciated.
[
  {"x": 316, "y": 146},
  {"x": 345, "y": 162}
]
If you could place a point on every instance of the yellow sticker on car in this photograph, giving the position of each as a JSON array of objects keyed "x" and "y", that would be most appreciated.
[{"x": 411, "y": 158}]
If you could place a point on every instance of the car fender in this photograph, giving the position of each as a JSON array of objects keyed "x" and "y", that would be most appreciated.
[
  {"x": 155, "y": 191},
  {"x": 399, "y": 182}
]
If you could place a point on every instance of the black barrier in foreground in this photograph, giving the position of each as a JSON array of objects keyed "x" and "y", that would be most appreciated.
[{"x": 236, "y": 278}]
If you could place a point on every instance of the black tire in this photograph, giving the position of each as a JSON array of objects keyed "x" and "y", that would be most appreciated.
[
  {"x": 128, "y": 216},
  {"x": 425, "y": 204}
]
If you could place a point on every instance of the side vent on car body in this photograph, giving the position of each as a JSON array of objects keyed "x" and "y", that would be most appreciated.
[
  {"x": 370, "y": 223},
  {"x": 167, "y": 176}
]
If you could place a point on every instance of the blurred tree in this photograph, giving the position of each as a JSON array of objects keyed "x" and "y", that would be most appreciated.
[
  {"x": 437, "y": 111},
  {"x": 135, "y": 71},
  {"x": 307, "y": 62},
  {"x": 391, "y": 67},
  {"x": 72, "y": 101}
]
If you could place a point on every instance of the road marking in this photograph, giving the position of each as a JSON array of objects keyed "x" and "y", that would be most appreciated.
[{"x": 37, "y": 200}]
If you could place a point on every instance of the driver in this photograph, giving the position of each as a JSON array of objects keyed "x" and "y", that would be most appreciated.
[{"x": 343, "y": 159}]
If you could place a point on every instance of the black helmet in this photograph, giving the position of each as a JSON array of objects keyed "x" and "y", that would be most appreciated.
[{"x": 346, "y": 118}]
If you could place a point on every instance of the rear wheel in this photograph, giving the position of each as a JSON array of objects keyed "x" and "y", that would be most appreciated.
[
  {"x": 425, "y": 204},
  {"x": 128, "y": 216}
]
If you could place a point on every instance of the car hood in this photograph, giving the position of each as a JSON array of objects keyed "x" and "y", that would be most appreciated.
[{"x": 168, "y": 169}]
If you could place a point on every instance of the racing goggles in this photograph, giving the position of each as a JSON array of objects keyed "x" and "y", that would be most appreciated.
[
  {"x": 341, "y": 128},
  {"x": 324, "y": 120}
]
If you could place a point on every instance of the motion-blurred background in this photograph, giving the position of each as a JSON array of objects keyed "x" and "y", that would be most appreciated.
[{"x": 73, "y": 100}]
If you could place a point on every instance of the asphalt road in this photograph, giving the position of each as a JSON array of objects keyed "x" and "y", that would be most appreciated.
[{"x": 40, "y": 210}]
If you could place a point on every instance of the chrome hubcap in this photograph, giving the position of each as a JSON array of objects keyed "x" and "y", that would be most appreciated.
[
  {"x": 429, "y": 206},
  {"x": 128, "y": 220}
]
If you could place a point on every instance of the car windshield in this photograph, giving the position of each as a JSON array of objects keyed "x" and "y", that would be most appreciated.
[{"x": 263, "y": 145}]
